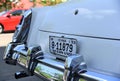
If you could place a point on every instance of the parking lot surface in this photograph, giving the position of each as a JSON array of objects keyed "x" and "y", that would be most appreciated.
[{"x": 7, "y": 71}]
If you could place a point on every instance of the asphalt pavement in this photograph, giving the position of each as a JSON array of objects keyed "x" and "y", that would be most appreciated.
[{"x": 7, "y": 71}]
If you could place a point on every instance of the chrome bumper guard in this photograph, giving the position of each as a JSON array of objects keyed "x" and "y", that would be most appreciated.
[
  {"x": 56, "y": 70},
  {"x": 72, "y": 69},
  {"x": 10, "y": 56}
]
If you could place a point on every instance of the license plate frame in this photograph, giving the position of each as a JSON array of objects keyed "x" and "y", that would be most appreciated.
[{"x": 62, "y": 46}]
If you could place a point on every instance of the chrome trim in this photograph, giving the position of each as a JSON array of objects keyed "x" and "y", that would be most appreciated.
[
  {"x": 10, "y": 56},
  {"x": 15, "y": 56},
  {"x": 57, "y": 67},
  {"x": 52, "y": 69},
  {"x": 53, "y": 62},
  {"x": 17, "y": 32},
  {"x": 33, "y": 49},
  {"x": 92, "y": 77},
  {"x": 23, "y": 55},
  {"x": 20, "y": 26},
  {"x": 74, "y": 64},
  {"x": 28, "y": 12},
  {"x": 48, "y": 72},
  {"x": 23, "y": 60},
  {"x": 7, "y": 50},
  {"x": 21, "y": 49}
]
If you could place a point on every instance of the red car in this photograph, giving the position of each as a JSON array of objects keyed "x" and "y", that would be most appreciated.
[{"x": 10, "y": 19}]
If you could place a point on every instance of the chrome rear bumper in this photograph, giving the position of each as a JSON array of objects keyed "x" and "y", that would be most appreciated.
[{"x": 54, "y": 69}]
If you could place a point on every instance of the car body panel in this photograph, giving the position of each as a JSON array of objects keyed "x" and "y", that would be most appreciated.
[{"x": 96, "y": 29}]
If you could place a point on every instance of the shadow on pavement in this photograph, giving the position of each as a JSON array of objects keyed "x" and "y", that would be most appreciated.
[
  {"x": 8, "y": 32},
  {"x": 6, "y": 71},
  {"x": 2, "y": 49}
]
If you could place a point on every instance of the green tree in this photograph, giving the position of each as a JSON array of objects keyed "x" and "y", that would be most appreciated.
[{"x": 5, "y": 4}]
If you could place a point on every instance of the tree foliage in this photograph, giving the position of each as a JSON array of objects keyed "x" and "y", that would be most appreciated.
[{"x": 5, "y": 4}]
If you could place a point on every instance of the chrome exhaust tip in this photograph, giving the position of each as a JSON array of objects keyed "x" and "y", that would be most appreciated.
[{"x": 20, "y": 74}]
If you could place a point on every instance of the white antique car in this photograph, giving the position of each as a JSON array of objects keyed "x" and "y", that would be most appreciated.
[{"x": 72, "y": 41}]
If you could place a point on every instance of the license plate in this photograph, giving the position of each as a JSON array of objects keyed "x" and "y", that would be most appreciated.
[{"x": 62, "y": 46}]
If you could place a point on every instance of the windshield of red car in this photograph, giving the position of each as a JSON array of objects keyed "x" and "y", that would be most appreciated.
[{"x": 3, "y": 12}]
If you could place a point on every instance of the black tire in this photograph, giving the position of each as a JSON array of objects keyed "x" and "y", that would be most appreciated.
[{"x": 1, "y": 28}]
